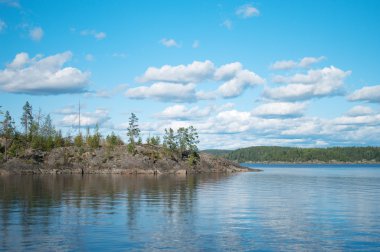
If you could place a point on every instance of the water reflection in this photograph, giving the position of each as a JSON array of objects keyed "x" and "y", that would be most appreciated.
[
  {"x": 37, "y": 211},
  {"x": 278, "y": 209}
]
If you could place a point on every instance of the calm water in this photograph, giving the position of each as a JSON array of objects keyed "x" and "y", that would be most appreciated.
[{"x": 304, "y": 207}]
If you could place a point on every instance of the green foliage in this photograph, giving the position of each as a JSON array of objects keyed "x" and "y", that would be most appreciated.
[
  {"x": 183, "y": 142},
  {"x": 131, "y": 148},
  {"x": 170, "y": 142},
  {"x": 153, "y": 140},
  {"x": 93, "y": 141},
  {"x": 27, "y": 117},
  {"x": 59, "y": 141},
  {"x": 288, "y": 154},
  {"x": 113, "y": 140},
  {"x": 8, "y": 131},
  {"x": 193, "y": 158},
  {"x": 17, "y": 145},
  {"x": 78, "y": 140},
  {"x": 133, "y": 131}
]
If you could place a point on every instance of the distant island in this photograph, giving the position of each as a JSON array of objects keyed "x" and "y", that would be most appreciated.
[
  {"x": 41, "y": 149},
  {"x": 277, "y": 154}
]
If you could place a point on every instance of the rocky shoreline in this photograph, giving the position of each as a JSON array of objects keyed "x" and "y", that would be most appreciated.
[{"x": 147, "y": 159}]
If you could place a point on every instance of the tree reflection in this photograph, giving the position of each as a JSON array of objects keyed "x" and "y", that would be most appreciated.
[{"x": 36, "y": 203}]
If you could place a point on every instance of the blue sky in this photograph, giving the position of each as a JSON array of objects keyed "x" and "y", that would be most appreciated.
[{"x": 292, "y": 73}]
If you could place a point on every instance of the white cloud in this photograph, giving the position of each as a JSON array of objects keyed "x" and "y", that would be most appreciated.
[
  {"x": 360, "y": 110},
  {"x": 247, "y": 11},
  {"x": 87, "y": 119},
  {"x": 36, "y": 33},
  {"x": 194, "y": 72},
  {"x": 97, "y": 35},
  {"x": 289, "y": 64},
  {"x": 227, "y": 24},
  {"x": 228, "y": 71},
  {"x": 180, "y": 112},
  {"x": 307, "y": 61},
  {"x": 316, "y": 83},
  {"x": 230, "y": 128},
  {"x": 169, "y": 42},
  {"x": 196, "y": 44},
  {"x": 164, "y": 91},
  {"x": 280, "y": 109},
  {"x": 284, "y": 64},
  {"x": 360, "y": 119},
  {"x": 368, "y": 93},
  {"x": 241, "y": 81},
  {"x": 235, "y": 78},
  {"x": 42, "y": 76},
  {"x": 3, "y": 25}
]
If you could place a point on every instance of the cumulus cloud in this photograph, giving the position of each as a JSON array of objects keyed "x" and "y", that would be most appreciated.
[
  {"x": 247, "y": 11},
  {"x": 42, "y": 76},
  {"x": 169, "y": 42},
  {"x": 235, "y": 79},
  {"x": 93, "y": 33},
  {"x": 368, "y": 93},
  {"x": 241, "y": 81},
  {"x": 194, "y": 72},
  {"x": 181, "y": 112},
  {"x": 280, "y": 109},
  {"x": 164, "y": 91},
  {"x": 360, "y": 110},
  {"x": 3, "y": 25},
  {"x": 36, "y": 33},
  {"x": 267, "y": 124},
  {"x": 227, "y": 24},
  {"x": 289, "y": 64},
  {"x": 228, "y": 71},
  {"x": 316, "y": 83},
  {"x": 87, "y": 119}
]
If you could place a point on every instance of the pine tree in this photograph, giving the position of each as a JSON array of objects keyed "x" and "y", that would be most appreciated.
[
  {"x": 8, "y": 130},
  {"x": 133, "y": 129},
  {"x": 170, "y": 140},
  {"x": 27, "y": 117},
  {"x": 133, "y": 132}
]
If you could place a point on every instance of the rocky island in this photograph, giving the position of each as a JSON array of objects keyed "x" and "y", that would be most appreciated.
[
  {"x": 41, "y": 149},
  {"x": 146, "y": 159}
]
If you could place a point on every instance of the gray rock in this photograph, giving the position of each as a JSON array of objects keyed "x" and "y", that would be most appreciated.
[{"x": 148, "y": 159}]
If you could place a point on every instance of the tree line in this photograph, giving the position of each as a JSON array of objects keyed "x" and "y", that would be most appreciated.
[
  {"x": 39, "y": 133},
  {"x": 299, "y": 155}
]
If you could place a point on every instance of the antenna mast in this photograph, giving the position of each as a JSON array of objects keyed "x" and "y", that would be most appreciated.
[{"x": 79, "y": 119}]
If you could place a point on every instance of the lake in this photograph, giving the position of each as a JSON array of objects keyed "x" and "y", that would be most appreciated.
[{"x": 283, "y": 208}]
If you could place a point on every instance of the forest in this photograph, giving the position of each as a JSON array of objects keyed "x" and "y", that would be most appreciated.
[{"x": 301, "y": 155}]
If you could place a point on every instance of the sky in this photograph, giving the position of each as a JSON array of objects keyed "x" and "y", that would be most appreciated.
[{"x": 244, "y": 73}]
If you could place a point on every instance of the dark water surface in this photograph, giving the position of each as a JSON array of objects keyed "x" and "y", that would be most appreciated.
[{"x": 286, "y": 207}]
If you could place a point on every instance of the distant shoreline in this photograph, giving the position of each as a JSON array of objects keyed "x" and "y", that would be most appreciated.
[{"x": 312, "y": 162}]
